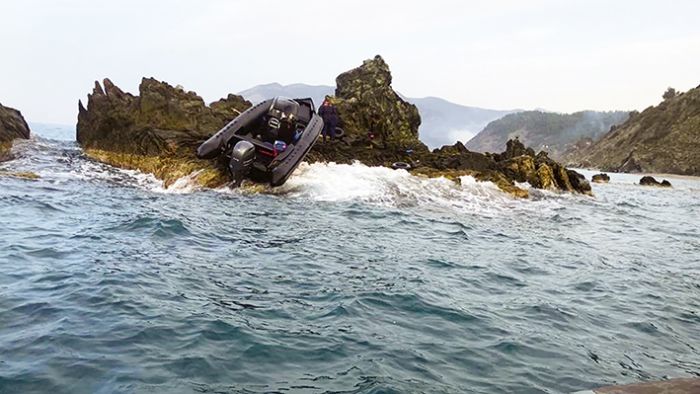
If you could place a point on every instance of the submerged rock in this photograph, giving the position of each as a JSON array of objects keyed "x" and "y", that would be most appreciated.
[
  {"x": 651, "y": 181},
  {"x": 159, "y": 130},
  {"x": 12, "y": 126},
  {"x": 600, "y": 178},
  {"x": 28, "y": 175}
]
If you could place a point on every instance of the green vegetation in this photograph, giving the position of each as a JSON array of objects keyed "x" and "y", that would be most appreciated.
[
  {"x": 551, "y": 132},
  {"x": 661, "y": 139}
]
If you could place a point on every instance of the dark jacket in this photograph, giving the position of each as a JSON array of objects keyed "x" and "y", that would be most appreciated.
[{"x": 329, "y": 114}]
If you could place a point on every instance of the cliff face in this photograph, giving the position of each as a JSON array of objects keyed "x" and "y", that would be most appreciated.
[
  {"x": 661, "y": 139},
  {"x": 12, "y": 126},
  {"x": 551, "y": 132}
]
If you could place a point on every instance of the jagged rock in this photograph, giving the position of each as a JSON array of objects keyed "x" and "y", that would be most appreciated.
[
  {"x": 600, "y": 178},
  {"x": 12, "y": 126},
  {"x": 159, "y": 130},
  {"x": 651, "y": 181},
  {"x": 367, "y": 103},
  {"x": 515, "y": 148},
  {"x": 519, "y": 168},
  {"x": 156, "y": 131},
  {"x": 458, "y": 157},
  {"x": 579, "y": 182},
  {"x": 380, "y": 127},
  {"x": 545, "y": 178}
]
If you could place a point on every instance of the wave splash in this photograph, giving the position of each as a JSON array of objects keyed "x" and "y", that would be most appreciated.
[
  {"x": 325, "y": 182},
  {"x": 384, "y": 186}
]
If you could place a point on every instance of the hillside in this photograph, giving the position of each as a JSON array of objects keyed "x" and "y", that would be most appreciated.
[
  {"x": 443, "y": 122},
  {"x": 661, "y": 139},
  {"x": 548, "y": 131}
]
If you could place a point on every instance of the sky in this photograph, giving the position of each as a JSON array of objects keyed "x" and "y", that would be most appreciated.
[{"x": 563, "y": 56}]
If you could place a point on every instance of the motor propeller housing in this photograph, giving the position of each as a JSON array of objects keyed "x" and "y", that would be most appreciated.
[{"x": 242, "y": 156}]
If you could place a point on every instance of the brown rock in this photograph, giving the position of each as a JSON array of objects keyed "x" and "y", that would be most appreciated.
[
  {"x": 651, "y": 181},
  {"x": 12, "y": 126},
  {"x": 600, "y": 178},
  {"x": 156, "y": 131}
]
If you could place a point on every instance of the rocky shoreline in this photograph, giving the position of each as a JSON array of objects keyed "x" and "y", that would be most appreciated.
[
  {"x": 158, "y": 132},
  {"x": 662, "y": 139},
  {"x": 12, "y": 126}
]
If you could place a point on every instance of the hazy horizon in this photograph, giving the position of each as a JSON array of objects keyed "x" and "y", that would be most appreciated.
[{"x": 582, "y": 55}]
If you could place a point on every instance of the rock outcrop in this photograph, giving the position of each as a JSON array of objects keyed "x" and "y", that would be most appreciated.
[
  {"x": 12, "y": 126},
  {"x": 159, "y": 130},
  {"x": 661, "y": 139},
  {"x": 600, "y": 178},
  {"x": 651, "y": 181},
  {"x": 381, "y": 128},
  {"x": 379, "y": 125}
]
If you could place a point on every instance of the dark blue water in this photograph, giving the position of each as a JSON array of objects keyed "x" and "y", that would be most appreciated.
[{"x": 348, "y": 279}]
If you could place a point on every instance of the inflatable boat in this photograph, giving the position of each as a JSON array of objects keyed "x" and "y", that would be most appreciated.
[{"x": 267, "y": 141}]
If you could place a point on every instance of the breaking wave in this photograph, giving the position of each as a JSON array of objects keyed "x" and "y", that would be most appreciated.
[{"x": 63, "y": 161}]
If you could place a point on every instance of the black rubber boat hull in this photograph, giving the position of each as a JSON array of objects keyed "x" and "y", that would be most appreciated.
[
  {"x": 284, "y": 170},
  {"x": 217, "y": 144},
  {"x": 275, "y": 170}
]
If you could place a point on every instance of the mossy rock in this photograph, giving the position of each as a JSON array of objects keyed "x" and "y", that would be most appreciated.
[
  {"x": 368, "y": 105},
  {"x": 167, "y": 168},
  {"x": 28, "y": 175}
]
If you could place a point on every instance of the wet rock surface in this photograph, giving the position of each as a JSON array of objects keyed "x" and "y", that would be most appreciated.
[
  {"x": 672, "y": 386},
  {"x": 12, "y": 126},
  {"x": 651, "y": 181},
  {"x": 600, "y": 178},
  {"x": 159, "y": 130}
]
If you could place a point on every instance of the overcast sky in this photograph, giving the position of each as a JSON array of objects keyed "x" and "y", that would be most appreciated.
[{"x": 559, "y": 55}]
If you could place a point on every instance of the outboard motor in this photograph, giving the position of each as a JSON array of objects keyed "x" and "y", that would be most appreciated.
[{"x": 242, "y": 157}]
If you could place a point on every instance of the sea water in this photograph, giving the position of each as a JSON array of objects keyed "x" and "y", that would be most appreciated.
[{"x": 346, "y": 279}]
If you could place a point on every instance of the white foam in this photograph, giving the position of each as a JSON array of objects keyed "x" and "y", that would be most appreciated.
[
  {"x": 330, "y": 182},
  {"x": 388, "y": 187}
]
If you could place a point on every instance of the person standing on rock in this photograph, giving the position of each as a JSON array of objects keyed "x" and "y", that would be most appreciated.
[{"x": 329, "y": 114}]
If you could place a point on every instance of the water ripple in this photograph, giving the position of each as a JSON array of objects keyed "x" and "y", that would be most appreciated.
[{"x": 348, "y": 279}]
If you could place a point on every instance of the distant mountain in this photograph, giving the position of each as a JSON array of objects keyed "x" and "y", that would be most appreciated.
[
  {"x": 661, "y": 139},
  {"x": 443, "y": 122},
  {"x": 548, "y": 131}
]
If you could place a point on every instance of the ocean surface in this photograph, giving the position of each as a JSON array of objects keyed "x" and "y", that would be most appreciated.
[{"x": 347, "y": 279}]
